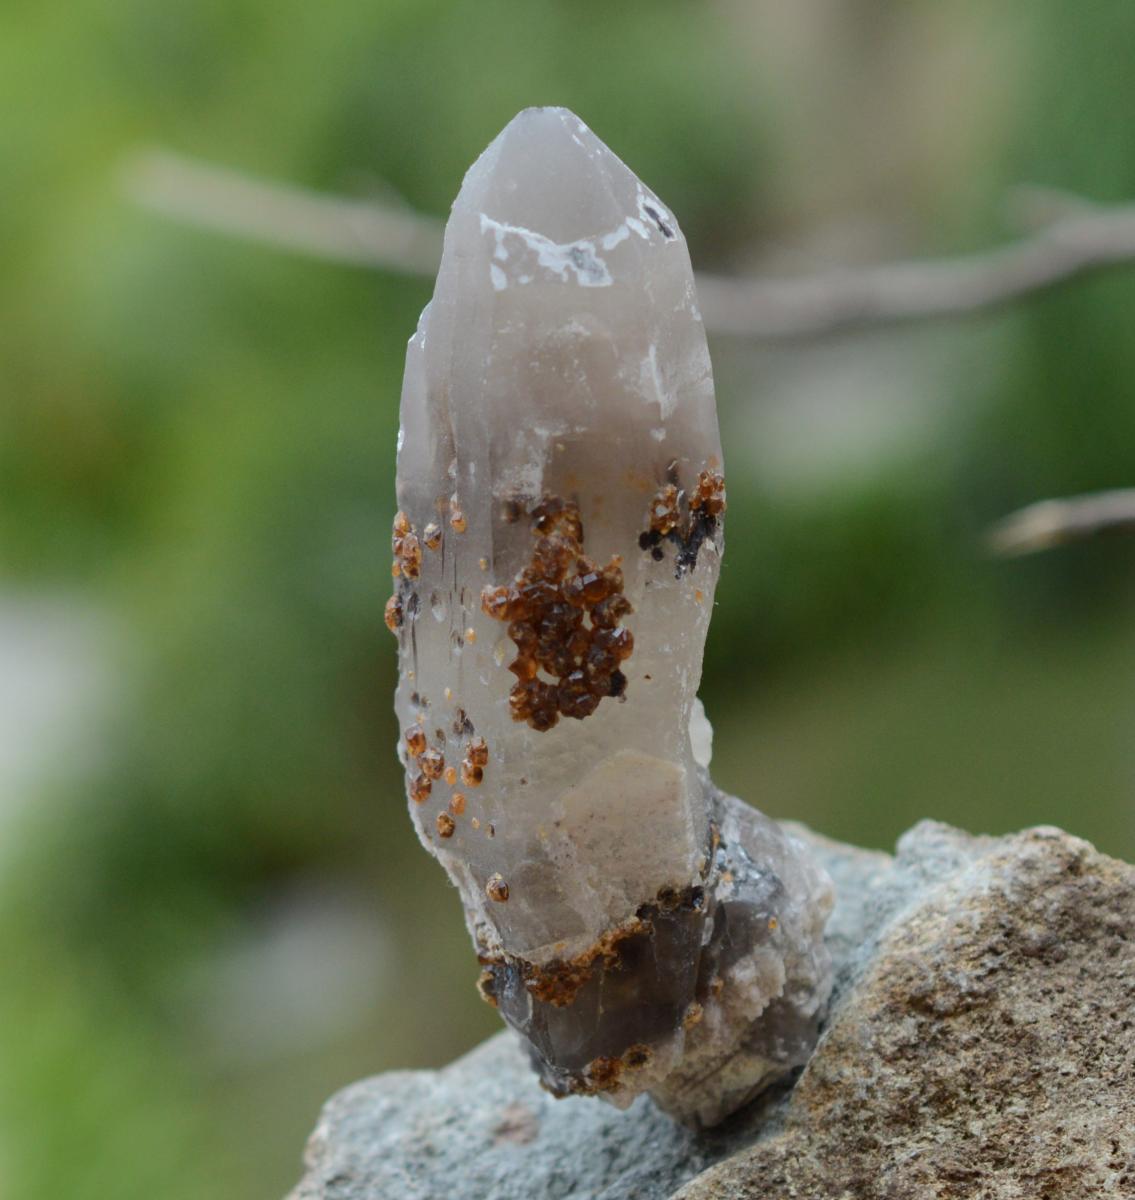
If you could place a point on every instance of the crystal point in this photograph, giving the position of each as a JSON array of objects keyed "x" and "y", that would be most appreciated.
[{"x": 558, "y": 542}]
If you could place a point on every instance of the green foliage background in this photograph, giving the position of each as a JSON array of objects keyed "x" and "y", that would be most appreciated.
[{"x": 196, "y": 437}]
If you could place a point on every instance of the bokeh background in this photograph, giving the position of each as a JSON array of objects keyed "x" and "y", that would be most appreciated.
[{"x": 213, "y": 911}]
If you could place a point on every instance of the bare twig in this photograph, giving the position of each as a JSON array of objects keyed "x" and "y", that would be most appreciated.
[
  {"x": 327, "y": 227},
  {"x": 1077, "y": 239},
  {"x": 1032, "y": 206},
  {"x": 1054, "y": 522},
  {"x": 1070, "y": 246}
]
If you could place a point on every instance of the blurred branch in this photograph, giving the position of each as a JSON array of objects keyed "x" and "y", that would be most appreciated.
[
  {"x": 1033, "y": 206},
  {"x": 1070, "y": 246},
  {"x": 1074, "y": 239},
  {"x": 1054, "y": 522},
  {"x": 359, "y": 232}
]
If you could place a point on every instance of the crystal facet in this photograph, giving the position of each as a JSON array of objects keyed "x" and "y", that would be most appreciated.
[{"x": 556, "y": 550}]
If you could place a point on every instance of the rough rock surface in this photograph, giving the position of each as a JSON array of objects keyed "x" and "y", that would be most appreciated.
[{"x": 981, "y": 1044}]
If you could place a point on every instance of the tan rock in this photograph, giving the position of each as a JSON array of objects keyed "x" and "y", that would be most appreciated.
[{"x": 989, "y": 1051}]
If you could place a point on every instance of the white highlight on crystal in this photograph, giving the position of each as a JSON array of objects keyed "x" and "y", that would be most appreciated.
[
  {"x": 654, "y": 385},
  {"x": 578, "y": 259},
  {"x": 701, "y": 734},
  {"x": 610, "y": 240}
]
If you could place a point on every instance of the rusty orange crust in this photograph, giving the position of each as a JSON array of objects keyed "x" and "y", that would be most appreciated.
[
  {"x": 407, "y": 548},
  {"x": 558, "y": 982},
  {"x": 406, "y": 545},
  {"x": 683, "y": 518},
  {"x": 605, "y": 1074},
  {"x": 563, "y": 611},
  {"x": 394, "y": 614}
]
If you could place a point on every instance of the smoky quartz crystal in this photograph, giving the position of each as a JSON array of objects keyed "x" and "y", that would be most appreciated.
[{"x": 561, "y": 502}]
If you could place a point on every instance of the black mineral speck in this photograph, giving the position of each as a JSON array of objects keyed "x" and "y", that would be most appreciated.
[{"x": 656, "y": 217}]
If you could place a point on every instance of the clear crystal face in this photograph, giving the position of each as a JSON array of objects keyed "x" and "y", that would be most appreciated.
[{"x": 556, "y": 550}]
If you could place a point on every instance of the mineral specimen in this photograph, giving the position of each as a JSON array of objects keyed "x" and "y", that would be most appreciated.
[{"x": 556, "y": 549}]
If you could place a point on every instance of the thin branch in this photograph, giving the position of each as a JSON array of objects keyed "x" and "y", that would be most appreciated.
[
  {"x": 821, "y": 304},
  {"x": 1053, "y": 522},
  {"x": 1078, "y": 240},
  {"x": 357, "y": 232},
  {"x": 1033, "y": 206}
]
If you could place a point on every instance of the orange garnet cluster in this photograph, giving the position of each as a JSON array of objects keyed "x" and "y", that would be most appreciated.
[{"x": 563, "y": 613}]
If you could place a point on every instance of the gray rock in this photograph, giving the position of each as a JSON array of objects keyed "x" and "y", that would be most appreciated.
[{"x": 980, "y": 1044}]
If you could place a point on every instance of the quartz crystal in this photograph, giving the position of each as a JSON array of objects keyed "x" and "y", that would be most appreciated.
[{"x": 556, "y": 549}]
